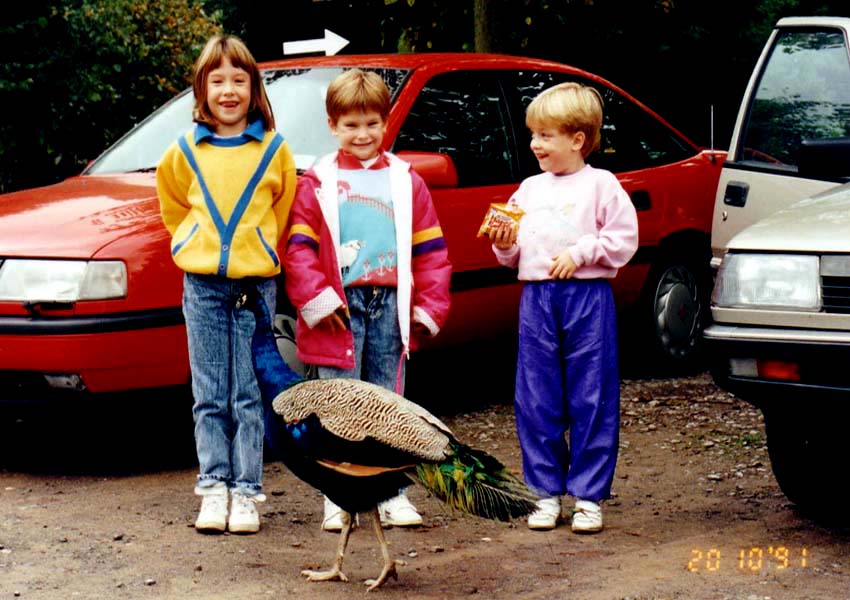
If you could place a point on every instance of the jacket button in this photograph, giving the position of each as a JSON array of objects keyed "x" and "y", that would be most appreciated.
[
  {"x": 221, "y": 268},
  {"x": 349, "y": 352},
  {"x": 225, "y": 248}
]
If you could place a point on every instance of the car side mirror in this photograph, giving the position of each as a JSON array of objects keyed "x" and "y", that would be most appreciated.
[
  {"x": 825, "y": 158},
  {"x": 437, "y": 169}
]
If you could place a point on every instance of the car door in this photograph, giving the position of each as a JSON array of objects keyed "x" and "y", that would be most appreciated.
[
  {"x": 463, "y": 114},
  {"x": 799, "y": 90}
]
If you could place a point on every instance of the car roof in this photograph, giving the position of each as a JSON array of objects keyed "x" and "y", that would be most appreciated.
[
  {"x": 420, "y": 59},
  {"x": 437, "y": 62}
]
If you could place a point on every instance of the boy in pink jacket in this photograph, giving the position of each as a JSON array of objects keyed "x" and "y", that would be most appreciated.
[
  {"x": 366, "y": 264},
  {"x": 578, "y": 229}
]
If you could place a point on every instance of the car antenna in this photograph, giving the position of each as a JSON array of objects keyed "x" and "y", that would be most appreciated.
[{"x": 711, "y": 124}]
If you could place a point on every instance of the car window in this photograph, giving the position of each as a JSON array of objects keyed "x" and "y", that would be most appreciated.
[
  {"x": 631, "y": 138},
  {"x": 141, "y": 148},
  {"x": 463, "y": 114},
  {"x": 523, "y": 86},
  {"x": 804, "y": 92},
  {"x": 298, "y": 102}
]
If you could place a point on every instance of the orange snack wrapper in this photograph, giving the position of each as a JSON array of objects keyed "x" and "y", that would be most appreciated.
[{"x": 499, "y": 213}]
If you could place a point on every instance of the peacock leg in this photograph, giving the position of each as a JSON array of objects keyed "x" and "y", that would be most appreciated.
[
  {"x": 335, "y": 573},
  {"x": 389, "y": 569}
]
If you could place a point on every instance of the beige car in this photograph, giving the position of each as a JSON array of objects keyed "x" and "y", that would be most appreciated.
[
  {"x": 781, "y": 340},
  {"x": 780, "y": 336}
]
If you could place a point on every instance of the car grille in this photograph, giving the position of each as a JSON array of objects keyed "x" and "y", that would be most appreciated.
[
  {"x": 835, "y": 283},
  {"x": 836, "y": 294}
]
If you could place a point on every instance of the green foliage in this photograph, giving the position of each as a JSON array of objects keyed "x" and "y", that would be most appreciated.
[{"x": 87, "y": 71}]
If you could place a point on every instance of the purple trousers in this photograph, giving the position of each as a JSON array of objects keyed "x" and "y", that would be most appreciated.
[{"x": 568, "y": 380}]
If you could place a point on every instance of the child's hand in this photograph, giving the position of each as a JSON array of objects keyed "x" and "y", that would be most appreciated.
[
  {"x": 503, "y": 236},
  {"x": 419, "y": 330},
  {"x": 334, "y": 321},
  {"x": 563, "y": 266}
]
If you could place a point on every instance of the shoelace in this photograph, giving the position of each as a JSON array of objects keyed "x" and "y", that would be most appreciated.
[{"x": 243, "y": 504}]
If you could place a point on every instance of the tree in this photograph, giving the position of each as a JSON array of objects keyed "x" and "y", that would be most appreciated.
[
  {"x": 88, "y": 70},
  {"x": 483, "y": 31}
]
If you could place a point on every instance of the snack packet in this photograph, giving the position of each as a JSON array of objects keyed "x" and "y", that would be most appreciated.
[{"x": 499, "y": 213}]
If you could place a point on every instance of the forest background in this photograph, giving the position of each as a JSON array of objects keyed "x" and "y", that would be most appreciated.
[{"x": 77, "y": 74}]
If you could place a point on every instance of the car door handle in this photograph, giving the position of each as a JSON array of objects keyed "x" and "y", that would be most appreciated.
[
  {"x": 640, "y": 198},
  {"x": 736, "y": 193}
]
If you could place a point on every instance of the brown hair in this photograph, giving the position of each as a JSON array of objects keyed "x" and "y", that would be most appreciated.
[
  {"x": 216, "y": 50},
  {"x": 357, "y": 90},
  {"x": 571, "y": 107}
]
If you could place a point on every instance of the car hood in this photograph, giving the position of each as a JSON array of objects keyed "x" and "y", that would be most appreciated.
[
  {"x": 817, "y": 224},
  {"x": 77, "y": 217}
]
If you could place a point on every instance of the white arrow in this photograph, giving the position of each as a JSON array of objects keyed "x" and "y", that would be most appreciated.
[{"x": 330, "y": 45}]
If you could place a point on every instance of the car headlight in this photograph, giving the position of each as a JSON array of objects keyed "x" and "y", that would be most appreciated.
[
  {"x": 61, "y": 280},
  {"x": 771, "y": 281}
]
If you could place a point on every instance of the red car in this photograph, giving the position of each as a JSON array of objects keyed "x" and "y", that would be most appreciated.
[{"x": 90, "y": 301}]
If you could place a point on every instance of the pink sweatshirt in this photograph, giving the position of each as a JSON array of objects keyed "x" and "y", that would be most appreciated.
[{"x": 587, "y": 212}]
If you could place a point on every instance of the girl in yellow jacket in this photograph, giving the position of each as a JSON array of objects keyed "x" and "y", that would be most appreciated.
[{"x": 225, "y": 190}]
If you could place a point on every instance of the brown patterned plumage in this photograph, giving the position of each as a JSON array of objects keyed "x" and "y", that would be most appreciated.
[{"x": 355, "y": 410}]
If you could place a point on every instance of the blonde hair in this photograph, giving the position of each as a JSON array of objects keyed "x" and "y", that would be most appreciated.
[
  {"x": 357, "y": 90},
  {"x": 571, "y": 107},
  {"x": 216, "y": 50}
]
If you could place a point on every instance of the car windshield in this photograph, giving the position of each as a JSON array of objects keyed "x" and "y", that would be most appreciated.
[{"x": 298, "y": 101}]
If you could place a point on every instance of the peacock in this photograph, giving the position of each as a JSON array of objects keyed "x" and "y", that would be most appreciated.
[{"x": 359, "y": 443}]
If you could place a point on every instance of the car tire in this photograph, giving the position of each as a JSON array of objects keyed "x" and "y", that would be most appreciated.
[
  {"x": 802, "y": 455},
  {"x": 674, "y": 310}
]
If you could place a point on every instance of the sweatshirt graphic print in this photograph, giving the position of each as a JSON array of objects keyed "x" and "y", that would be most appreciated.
[{"x": 367, "y": 229}]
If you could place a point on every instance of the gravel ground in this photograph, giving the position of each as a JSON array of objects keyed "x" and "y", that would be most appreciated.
[{"x": 98, "y": 504}]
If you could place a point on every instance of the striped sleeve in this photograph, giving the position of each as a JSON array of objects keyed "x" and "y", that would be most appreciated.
[
  {"x": 428, "y": 240},
  {"x": 301, "y": 233}
]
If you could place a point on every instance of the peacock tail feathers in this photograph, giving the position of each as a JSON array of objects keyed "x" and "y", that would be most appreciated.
[{"x": 473, "y": 482}]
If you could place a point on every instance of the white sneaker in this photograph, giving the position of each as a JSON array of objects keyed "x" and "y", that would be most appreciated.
[
  {"x": 587, "y": 517},
  {"x": 244, "y": 517},
  {"x": 547, "y": 515},
  {"x": 332, "y": 520},
  {"x": 399, "y": 512},
  {"x": 213, "y": 515}
]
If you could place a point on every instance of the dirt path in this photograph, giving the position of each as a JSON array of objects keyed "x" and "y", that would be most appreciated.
[{"x": 102, "y": 508}]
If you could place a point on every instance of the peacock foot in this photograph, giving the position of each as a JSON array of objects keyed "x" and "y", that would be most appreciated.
[
  {"x": 333, "y": 575},
  {"x": 389, "y": 571}
]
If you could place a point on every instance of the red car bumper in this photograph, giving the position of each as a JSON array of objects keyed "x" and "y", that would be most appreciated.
[{"x": 93, "y": 354}]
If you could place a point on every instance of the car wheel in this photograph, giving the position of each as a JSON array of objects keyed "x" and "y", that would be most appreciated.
[
  {"x": 676, "y": 302},
  {"x": 802, "y": 455}
]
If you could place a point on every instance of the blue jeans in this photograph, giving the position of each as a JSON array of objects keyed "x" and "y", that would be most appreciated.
[
  {"x": 377, "y": 339},
  {"x": 228, "y": 409}
]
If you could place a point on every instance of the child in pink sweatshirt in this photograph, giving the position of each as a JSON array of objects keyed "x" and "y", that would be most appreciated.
[{"x": 578, "y": 229}]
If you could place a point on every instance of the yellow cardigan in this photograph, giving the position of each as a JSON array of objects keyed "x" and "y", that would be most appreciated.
[{"x": 226, "y": 201}]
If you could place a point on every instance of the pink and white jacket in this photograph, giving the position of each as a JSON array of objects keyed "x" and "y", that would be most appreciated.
[
  {"x": 587, "y": 212},
  {"x": 313, "y": 276}
]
